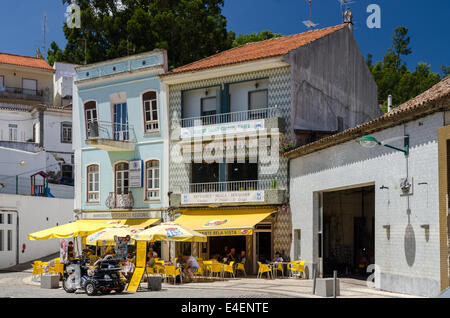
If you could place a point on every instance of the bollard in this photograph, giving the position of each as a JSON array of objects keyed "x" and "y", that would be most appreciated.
[
  {"x": 314, "y": 277},
  {"x": 334, "y": 283}
]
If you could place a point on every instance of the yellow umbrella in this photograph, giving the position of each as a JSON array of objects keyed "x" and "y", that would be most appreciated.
[
  {"x": 169, "y": 231},
  {"x": 72, "y": 229},
  {"x": 106, "y": 236}
]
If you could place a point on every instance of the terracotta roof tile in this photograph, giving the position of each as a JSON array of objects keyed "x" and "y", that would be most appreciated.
[
  {"x": 421, "y": 105},
  {"x": 27, "y": 61},
  {"x": 257, "y": 50}
]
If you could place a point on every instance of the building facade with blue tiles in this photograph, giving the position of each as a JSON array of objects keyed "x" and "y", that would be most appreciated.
[{"x": 120, "y": 139}]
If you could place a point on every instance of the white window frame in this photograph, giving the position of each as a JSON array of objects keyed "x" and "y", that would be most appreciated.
[
  {"x": 13, "y": 129},
  {"x": 151, "y": 125},
  {"x": 66, "y": 137},
  {"x": 155, "y": 191},
  {"x": 122, "y": 172},
  {"x": 94, "y": 195}
]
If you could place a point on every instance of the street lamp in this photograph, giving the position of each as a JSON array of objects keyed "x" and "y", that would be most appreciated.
[{"x": 370, "y": 142}]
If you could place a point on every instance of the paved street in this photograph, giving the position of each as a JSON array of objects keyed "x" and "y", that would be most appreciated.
[{"x": 19, "y": 284}]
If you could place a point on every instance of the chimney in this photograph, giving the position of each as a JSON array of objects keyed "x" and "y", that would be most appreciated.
[
  {"x": 348, "y": 19},
  {"x": 390, "y": 108}
]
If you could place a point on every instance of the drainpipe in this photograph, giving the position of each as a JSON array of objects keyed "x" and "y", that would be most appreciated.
[{"x": 390, "y": 108}]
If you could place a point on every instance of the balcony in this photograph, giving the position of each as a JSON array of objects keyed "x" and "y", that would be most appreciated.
[
  {"x": 22, "y": 94},
  {"x": 242, "y": 122},
  {"x": 120, "y": 201},
  {"x": 111, "y": 136},
  {"x": 247, "y": 192}
]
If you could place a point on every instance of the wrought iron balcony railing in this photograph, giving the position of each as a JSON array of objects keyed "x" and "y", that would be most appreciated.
[
  {"x": 110, "y": 131},
  {"x": 224, "y": 118},
  {"x": 244, "y": 185},
  {"x": 120, "y": 201},
  {"x": 21, "y": 93}
]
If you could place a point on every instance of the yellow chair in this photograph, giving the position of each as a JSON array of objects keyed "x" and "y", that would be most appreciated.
[
  {"x": 241, "y": 267},
  {"x": 159, "y": 268},
  {"x": 280, "y": 269},
  {"x": 295, "y": 268},
  {"x": 58, "y": 269},
  {"x": 229, "y": 269},
  {"x": 216, "y": 270},
  {"x": 150, "y": 270},
  {"x": 57, "y": 260},
  {"x": 172, "y": 271},
  {"x": 37, "y": 270},
  {"x": 264, "y": 268}
]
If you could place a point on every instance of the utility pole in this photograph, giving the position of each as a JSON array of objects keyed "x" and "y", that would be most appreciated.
[{"x": 308, "y": 23}]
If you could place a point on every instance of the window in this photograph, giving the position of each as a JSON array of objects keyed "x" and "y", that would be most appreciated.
[
  {"x": 9, "y": 240},
  {"x": 1, "y": 240},
  {"x": 66, "y": 171},
  {"x": 66, "y": 132},
  {"x": 1, "y": 218},
  {"x": 257, "y": 100},
  {"x": 2, "y": 83},
  {"x": 122, "y": 178},
  {"x": 152, "y": 179},
  {"x": 9, "y": 218},
  {"x": 90, "y": 112},
  {"x": 150, "y": 103},
  {"x": 93, "y": 183},
  {"x": 12, "y": 132},
  {"x": 29, "y": 86},
  {"x": 208, "y": 109}
]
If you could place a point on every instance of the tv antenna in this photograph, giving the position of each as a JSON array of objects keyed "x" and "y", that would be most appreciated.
[
  {"x": 344, "y": 7},
  {"x": 44, "y": 32},
  {"x": 308, "y": 23}
]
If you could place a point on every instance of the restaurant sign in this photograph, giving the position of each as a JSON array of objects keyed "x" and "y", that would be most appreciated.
[
  {"x": 135, "y": 174},
  {"x": 249, "y": 126},
  {"x": 222, "y": 197},
  {"x": 226, "y": 232}
]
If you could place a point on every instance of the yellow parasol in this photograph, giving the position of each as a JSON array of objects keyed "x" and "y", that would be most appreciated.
[
  {"x": 169, "y": 231},
  {"x": 72, "y": 229},
  {"x": 106, "y": 236}
]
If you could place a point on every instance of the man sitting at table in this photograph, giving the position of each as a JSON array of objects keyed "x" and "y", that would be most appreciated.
[
  {"x": 278, "y": 257},
  {"x": 191, "y": 265},
  {"x": 242, "y": 257},
  {"x": 231, "y": 257}
]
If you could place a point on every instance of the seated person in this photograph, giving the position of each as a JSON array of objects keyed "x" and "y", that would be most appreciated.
[
  {"x": 70, "y": 251},
  {"x": 191, "y": 266},
  {"x": 242, "y": 258},
  {"x": 231, "y": 256},
  {"x": 278, "y": 257},
  {"x": 150, "y": 259}
]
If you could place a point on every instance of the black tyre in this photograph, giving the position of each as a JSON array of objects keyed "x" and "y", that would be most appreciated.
[
  {"x": 66, "y": 286},
  {"x": 120, "y": 289},
  {"x": 90, "y": 289}
]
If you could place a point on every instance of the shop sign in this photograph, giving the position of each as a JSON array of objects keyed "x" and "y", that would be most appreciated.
[
  {"x": 136, "y": 279},
  {"x": 141, "y": 253},
  {"x": 226, "y": 232},
  {"x": 249, "y": 126},
  {"x": 135, "y": 174},
  {"x": 122, "y": 215},
  {"x": 222, "y": 197}
]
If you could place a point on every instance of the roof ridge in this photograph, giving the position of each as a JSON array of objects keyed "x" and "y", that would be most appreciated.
[{"x": 26, "y": 56}]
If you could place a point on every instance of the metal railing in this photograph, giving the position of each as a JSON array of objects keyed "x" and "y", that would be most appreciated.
[
  {"x": 224, "y": 118},
  {"x": 21, "y": 93},
  {"x": 120, "y": 201},
  {"x": 244, "y": 185},
  {"x": 110, "y": 131}
]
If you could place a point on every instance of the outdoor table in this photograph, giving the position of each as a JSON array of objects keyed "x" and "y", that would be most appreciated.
[{"x": 274, "y": 267}]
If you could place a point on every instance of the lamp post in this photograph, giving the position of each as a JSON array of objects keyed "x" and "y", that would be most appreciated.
[{"x": 370, "y": 142}]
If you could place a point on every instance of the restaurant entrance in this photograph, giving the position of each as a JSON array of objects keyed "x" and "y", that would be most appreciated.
[{"x": 217, "y": 245}]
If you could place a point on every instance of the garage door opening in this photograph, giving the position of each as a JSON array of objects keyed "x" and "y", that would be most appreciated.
[{"x": 349, "y": 232}]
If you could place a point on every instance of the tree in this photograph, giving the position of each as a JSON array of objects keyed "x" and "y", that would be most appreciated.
[
  {"x": 54, "y": 54},
  {"x": 255, "y": 37},
  {"x": 445, "y": 70},
  {"x": 394, "y": 78},
  {"x": 188, "y": 29}
]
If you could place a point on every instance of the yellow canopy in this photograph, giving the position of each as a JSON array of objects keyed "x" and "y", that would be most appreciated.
[
  {"x": 86, "y": 227},
  {"x": 223, "y": 222},
  {"x": 169, "y": 232},
  {"x": 106, "y": 236}
]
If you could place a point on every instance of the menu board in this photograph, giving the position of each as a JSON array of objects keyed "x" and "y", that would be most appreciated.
[{"x": 135, "y": 174}]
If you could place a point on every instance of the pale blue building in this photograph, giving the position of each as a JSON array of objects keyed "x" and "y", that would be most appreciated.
[{"x": 120, "y": 139}]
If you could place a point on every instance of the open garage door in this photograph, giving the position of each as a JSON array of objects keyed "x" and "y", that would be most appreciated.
[{"x": 349, "y": 231}]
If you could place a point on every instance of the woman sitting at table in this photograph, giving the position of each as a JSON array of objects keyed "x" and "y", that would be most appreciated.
[{"x": 277, "y": 258}]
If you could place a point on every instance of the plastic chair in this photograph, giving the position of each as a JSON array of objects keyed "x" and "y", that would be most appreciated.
[
  {"x": 37, "y": 271},
  {"x": 216, "y": 268},
  {"x": 172, "y": 271},
  {"x": 57, "y": 260},
  {"x": 150, "y": 270},
  {"x": 280, "y": 269},
  {"x": 295, "y": 268},
  {"x": 264, "y": 268},
  {"x": 241, "y": 267},
  {"x": 229, "y": 269}
]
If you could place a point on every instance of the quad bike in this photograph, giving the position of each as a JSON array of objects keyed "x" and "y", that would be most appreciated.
[{"x": 105, "y": 278}]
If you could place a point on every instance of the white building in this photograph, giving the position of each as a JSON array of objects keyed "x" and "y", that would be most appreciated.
[
  {"x": 63, "y": 83},
  {"x": 355, "y": 206}
]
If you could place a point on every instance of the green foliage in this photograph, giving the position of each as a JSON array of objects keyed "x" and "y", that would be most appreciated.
[
  {"x": 394, "y": 78},
  {"x": 54, "y": 54},
  {"x": 445, "y": 70},
  {"x": 255, "y": 37},
  {"x": 188, "y": 29}
]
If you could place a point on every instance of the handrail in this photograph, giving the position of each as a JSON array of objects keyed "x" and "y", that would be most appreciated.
[
  {"x": 261, "y": 113},
  {"x": 243, "y": 185},
  {"x": 21, "y": 90},
  {"x": 99, "y": 129}
]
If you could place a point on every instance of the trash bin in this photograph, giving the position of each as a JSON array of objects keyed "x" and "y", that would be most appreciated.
[
  {"x": 154, "y": 282},
  {"x": 49, "y": 281}
]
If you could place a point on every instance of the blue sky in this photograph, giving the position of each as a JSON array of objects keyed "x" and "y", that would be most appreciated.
[{"x": 21, "y": 22}]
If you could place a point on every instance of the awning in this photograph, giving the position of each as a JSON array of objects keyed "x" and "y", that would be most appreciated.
[
  {"x": 223, "y": 222},
  {"x": 86, "y": 227}
]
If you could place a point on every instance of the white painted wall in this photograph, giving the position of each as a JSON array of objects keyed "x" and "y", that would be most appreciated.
[
  {"x": 239, "y": 94},
  {"x": 63, "y": 81},
  {"x": 22, "y": 119},
  {"x": 192, "y": 101},
  {"x": 348, "y": 165},
  {"x": 35, "y": 214},
  {"x": 52, "y": 131}
]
